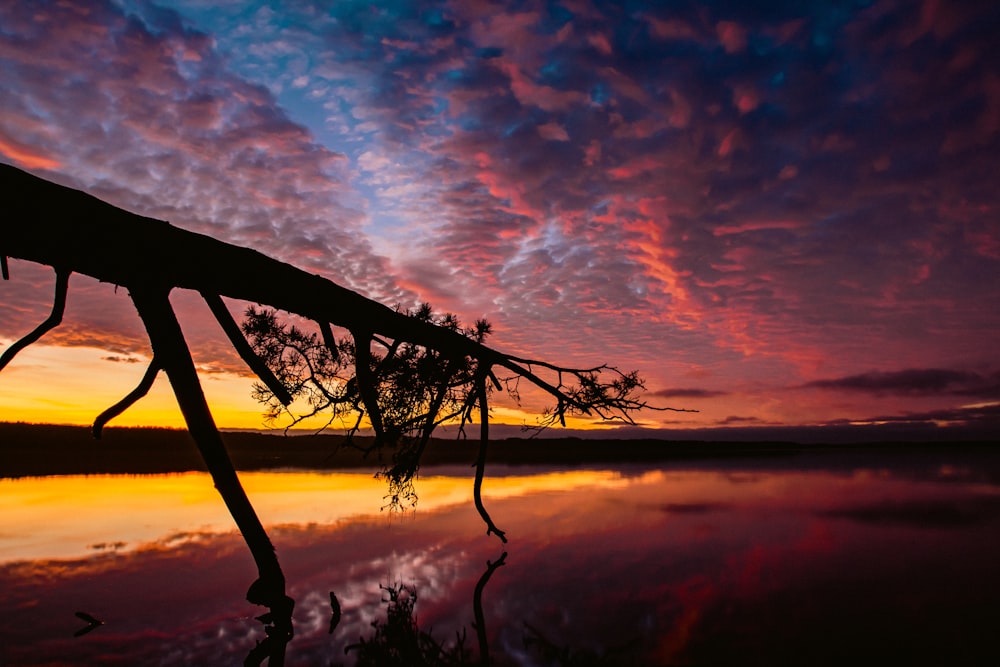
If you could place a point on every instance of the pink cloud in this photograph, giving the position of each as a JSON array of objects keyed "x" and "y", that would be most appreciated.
[
  {"x": 756, "y": 225},
  {"x": 25, "y": 155},
  {"x": 728, "y": 142},
  {"x": 553, "y": 132},
  {"x": 592, "y": 153},
  {"x": 515, "y": 32},
  {"x": 745, "y": 98},
  {"x": 600, "y": 42},
  {"x": 530, "y": 93},
  {"x": 625, "y": 85},
  {"x": 635, "y": 167},
  {"x": 680, "y": 111},
  {"x": 732, "y": 36},
  {"x": 671, "y": 29},
  {"x": 788, "y": 171}
]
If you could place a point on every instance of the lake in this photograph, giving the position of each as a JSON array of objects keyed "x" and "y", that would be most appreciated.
[{"x": 844, "y": 557}]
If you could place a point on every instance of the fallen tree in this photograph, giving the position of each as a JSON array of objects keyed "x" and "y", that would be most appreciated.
[{"x": 74, "y": 232}]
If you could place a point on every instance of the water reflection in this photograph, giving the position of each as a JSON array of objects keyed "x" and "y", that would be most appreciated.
[
  {"x": 399, "y": 639},
  {"x": 75, "y": 515},
  {"x": 826, "y": 565}
]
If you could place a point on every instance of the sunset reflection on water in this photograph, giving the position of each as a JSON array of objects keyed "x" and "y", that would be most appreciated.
[
  {"x": 653, "y": 565},
  {"x": 70, "y": 516}
]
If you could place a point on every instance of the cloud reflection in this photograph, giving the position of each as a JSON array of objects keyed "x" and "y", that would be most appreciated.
[{"x": 677, "y": 565}]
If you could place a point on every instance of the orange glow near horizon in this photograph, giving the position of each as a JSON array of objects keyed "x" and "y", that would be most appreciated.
[
  {"x": 26, "y": 157},
  {"x": 132, "y": 511},
  {"x": 72, "y": 385},
  {"x": 48, "y": 384}
]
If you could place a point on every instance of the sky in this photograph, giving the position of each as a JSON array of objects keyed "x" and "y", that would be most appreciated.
[{"x": 782, "y": 214}]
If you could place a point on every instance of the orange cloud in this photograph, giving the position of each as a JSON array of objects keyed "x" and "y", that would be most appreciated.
[{"x": 26, "y": 156}]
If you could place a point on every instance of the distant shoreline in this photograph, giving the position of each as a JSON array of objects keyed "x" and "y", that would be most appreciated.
[{"x": 40, "y": 449}]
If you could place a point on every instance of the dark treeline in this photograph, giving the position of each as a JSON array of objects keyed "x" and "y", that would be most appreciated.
[{"x": 40, "y": 449}]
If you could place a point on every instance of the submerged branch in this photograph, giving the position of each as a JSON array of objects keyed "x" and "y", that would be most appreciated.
[{"x": 484, "y": 437}]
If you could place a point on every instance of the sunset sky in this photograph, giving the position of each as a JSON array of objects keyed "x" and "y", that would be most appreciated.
[{"x": 782, "y": 214}]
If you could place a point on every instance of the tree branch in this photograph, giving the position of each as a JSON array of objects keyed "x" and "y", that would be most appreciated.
[
  {"x": 326, "y": 331},
  {"x": 141, "y": 389},
  {"x": 366, "y": 381},
  {"x": 484, "y": 438},
  {"x": 171, "y": 351},
  {"x": 242, "y": 347},
  {"x": 51, "y": 322}
]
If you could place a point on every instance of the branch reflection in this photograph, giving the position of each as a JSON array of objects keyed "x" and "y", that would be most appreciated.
[{"x": 398, "y": 640}]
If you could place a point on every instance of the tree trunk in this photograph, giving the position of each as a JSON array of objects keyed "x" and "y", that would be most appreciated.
[
  {"x": 174, "y": 357},
  {"x": 70, "y": 230}
]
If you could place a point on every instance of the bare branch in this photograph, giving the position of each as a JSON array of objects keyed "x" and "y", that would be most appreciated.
[
  {"x": 326, "y": 331},
  {"x": 141, "y": 389},
  {"x": 484, "y": 438},
  {"x": 256, "y": 364},
  {"x": 51, "y": 322},
  {"x": 171, "y": 351},
  {"x": 366, "y": 381}
]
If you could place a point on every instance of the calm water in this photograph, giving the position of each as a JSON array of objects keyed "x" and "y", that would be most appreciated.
[{"x": 806, "y": 560}]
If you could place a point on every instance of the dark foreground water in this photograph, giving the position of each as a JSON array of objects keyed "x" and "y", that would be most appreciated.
[{"x": 859, "y": 558}]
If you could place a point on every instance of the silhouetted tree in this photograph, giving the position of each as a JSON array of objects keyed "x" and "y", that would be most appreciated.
[
  {"x": 74, "y": 232},
  {"x": 413, "y": 388}
]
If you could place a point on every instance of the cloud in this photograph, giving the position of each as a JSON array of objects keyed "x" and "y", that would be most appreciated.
[
  {"x": 732, "y": 35},
  {"x": 151, "y": 120},
  {"x": 734, "y": 419},
  {"x": 688, "y": 393},
  {"x": 143, "y": 112},
  {"x": 916, "y": 381},
  {"x": 121, "y": 360},
  {"x": 755, "y": 243},
  {"x": 25, "y": 156},
  {"x": 985, "y": 415},
  {"x": 760, "y": 190}
]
